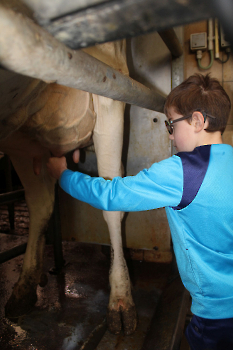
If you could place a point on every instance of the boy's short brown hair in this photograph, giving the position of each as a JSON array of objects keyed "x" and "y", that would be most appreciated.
[{"x": 201, "y": 92}]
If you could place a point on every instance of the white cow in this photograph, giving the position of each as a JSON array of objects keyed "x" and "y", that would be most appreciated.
[{"x": 38, "y": 119}]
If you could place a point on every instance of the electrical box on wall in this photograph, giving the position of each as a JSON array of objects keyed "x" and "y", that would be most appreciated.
[{"x": 198, "y": 41}]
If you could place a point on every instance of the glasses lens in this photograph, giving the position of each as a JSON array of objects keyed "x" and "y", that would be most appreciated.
[{"x": 169, "y": 127}]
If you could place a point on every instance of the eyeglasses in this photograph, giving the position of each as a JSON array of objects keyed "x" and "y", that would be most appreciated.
[{"x": 169, "y": 124}]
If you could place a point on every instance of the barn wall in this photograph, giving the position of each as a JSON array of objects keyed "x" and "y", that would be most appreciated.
[
  {"x": 145, "y": 142},
  {"x": 222, "y": 71}
]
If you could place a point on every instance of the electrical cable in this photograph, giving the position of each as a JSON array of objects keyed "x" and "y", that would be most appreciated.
[
  {"x": 224, "y": 61},
  {"x": 211, "y": 61}
]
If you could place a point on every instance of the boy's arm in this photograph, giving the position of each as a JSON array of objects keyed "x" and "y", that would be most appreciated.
[{"x": 159, "y": 186}]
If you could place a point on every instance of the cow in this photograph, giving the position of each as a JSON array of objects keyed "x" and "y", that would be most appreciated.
[{"x": 40, "y": 119}]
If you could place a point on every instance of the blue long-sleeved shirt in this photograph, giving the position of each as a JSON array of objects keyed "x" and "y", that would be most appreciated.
[{"x": 196, "y": 188}]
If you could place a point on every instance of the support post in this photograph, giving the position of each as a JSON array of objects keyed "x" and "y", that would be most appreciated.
[
  {"x": 57, "y": 238},
  {"x": 173, "y": 44}
]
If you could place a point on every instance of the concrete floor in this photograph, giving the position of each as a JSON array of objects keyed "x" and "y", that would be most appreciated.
[
  {"x": 73, "y": 304},
  {"x": 71, "y": 308}
]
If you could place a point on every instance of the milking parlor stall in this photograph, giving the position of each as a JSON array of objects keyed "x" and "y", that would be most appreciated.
[{"x": 88, "y": 75}]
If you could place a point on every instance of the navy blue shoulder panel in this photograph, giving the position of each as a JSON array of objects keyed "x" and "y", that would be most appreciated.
[{"x": 195, "y": 165}]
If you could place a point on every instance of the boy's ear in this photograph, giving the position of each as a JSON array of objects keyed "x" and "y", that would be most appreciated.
[{"x": 198, "y": 121}]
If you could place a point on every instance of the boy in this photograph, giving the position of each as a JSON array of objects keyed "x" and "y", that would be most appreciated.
[{"x": 196, "y": 188}]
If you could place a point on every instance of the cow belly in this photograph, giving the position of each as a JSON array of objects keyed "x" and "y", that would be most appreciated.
[
  {"x": 64, "y": 121},
  {"x": 17, "y": 94}
]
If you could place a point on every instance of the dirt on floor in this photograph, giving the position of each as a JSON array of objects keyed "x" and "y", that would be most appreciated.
[{"x": 73, "y": 304}]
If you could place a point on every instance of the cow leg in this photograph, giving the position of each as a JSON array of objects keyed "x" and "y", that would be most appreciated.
[
  {"x": 39, "y": 194},
  {"x": 108, "y": 140}
]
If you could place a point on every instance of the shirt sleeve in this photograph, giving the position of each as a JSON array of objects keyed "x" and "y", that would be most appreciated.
[{"x": 159, "y": 186}]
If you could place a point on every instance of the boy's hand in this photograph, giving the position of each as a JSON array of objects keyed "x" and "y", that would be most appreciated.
[{"x": 56, "y": 166}]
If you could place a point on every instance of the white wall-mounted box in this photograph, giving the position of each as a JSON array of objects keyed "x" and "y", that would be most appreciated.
[{"x": 198, "y": 41}]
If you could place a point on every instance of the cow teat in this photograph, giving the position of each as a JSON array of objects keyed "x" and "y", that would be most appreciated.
[
  {"x": 76, "y": 155},
  {"x": 37, "y": 164}
]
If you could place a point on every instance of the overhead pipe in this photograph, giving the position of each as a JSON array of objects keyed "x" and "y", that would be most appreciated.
[
  {"x": 57, "y": 8},
  {"x": 103, "y": 21},
  {"x": 28, "y": 49}
]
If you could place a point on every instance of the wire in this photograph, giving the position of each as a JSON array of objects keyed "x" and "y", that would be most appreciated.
[
  {"x": 211, "y": 61},
  {"x": 224, "y": 61}
]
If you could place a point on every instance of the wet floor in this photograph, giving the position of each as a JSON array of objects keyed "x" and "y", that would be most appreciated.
[{"x": 71, "y": 308}]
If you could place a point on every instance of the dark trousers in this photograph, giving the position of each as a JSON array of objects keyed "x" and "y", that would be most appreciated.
[{"x": 206, "y": 334}]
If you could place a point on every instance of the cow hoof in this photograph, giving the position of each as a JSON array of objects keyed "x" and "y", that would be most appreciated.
[
  {"x": 114, "y": 321},
  {"x": 16, "y": 307},
  {"x": 128, "y": 317}
]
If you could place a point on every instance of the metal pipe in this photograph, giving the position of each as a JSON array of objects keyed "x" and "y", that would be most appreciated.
[
  {"x": 113, "y": 20},
  {"x": 216, "y": 38},
  {"x": 10, "y": 197},
  {"x": 177, "y": 76},
  {"x": 173, "y": 44},
  {"x": 57, "y": 8},
  {"x": 28, "y": 49},
  {"x": 12, "y": 253},
  {"x": 57, "y": 237},
  {"x": 210, "y": 35},
  {"x": 9, "y": 188}
]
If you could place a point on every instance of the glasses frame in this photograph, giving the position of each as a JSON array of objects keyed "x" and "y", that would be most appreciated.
[{"x": 169, "y": 124}]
